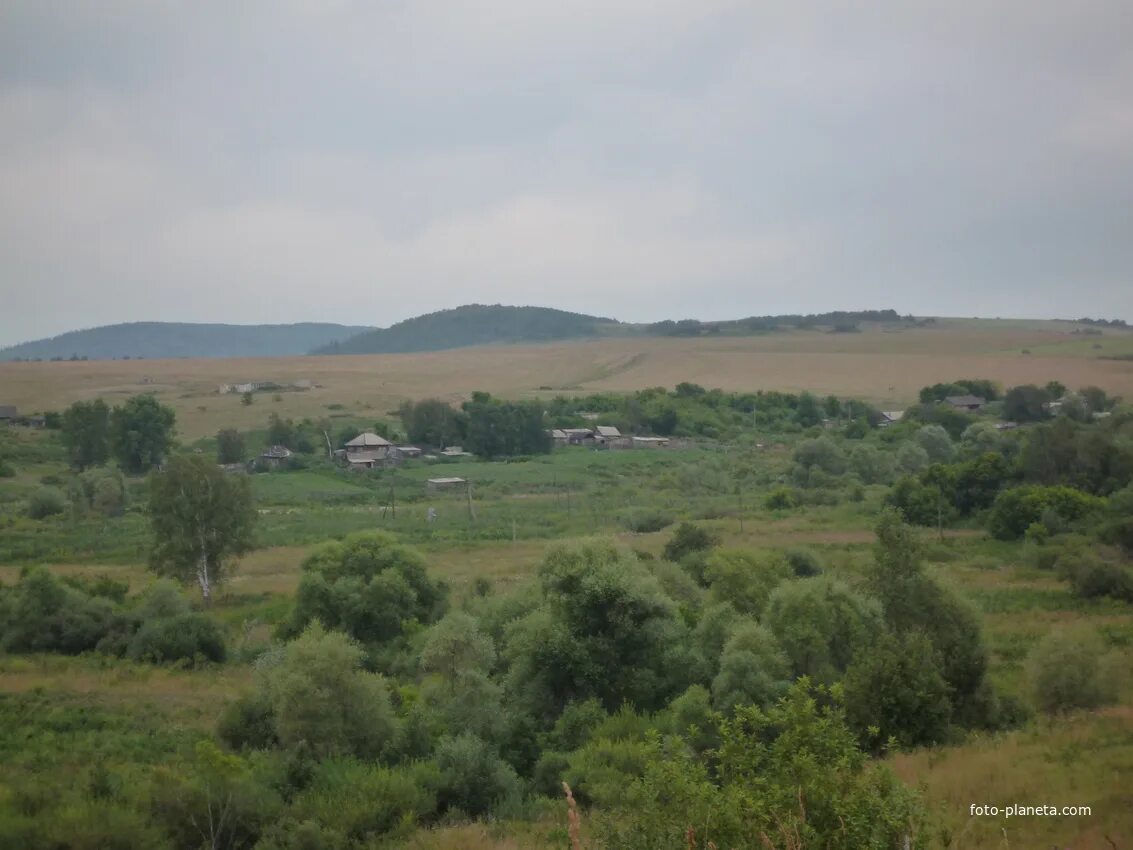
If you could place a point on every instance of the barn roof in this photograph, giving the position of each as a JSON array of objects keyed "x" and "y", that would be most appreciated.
[{"x": 366, "y": 441}]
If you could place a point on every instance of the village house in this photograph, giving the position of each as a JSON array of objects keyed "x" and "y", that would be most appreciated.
[
  {"x": 972, "y": 403},
  {"x": 434, "y": 484},
  {"x": 558, "y": 436},
  {"x": 367, "y": 451},
  {"x": 7, "y": 413},
  {"x": 610, "y": 437},
  {"x": 578, "y": 436},
  {"x": 272, "y": 458},
  {"x": 889, "y": 417}
]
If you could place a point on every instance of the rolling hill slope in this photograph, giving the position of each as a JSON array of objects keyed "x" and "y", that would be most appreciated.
[
  {"x": 159, "y": 340},
  {"x": 474, "y": 324}
]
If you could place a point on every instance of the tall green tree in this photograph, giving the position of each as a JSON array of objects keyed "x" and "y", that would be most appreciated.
[
  {"x": 229, "y": 446},
  {"x": 432, "y": 422},
  {"x": 86, "y": 433},
  {"x": 502, "y": 429},
  {"x": 914, "y": 602},
  {"x": 369, "y": 586},
  {"x": 201, "y": 517},
  {"x": 821, "y": 624},
  {"x": 141, "y": 433}
]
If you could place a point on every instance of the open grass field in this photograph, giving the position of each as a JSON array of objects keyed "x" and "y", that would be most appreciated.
[{"x": 886, "y": 367}]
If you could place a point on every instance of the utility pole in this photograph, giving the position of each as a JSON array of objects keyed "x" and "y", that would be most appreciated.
[
  {"x": 392, "y": 496},
  {"x": 471, "y": 513}
]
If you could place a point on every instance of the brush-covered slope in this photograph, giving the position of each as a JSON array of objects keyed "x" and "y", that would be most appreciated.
[
  {"x": 473, "y": 324},
  {"x": 159, "y": 340}
]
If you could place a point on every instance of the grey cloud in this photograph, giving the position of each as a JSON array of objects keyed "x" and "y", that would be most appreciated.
[{"x": 646, "y": 159}]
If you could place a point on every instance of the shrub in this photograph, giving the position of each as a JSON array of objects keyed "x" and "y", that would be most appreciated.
[
  {"x": 321, "y": 697},
  {"x": 604, "y": 769},
  {"x": 802, "y": 563},
  {"x": 364, "y": 801},
  {"x": 100, "y": 491},
  {"x": 753, "y": 669},
  {"x": 1091, "y": 576},
  {"x": 45, "y": 502},
  {"x": 474, "y": 779},
  {"x": 821, "y": 624},
  {"x": 369, "y": 586},
  {"x": 248, "y": 723},
  {"x": 688, "y": 538},
  {"x": 1016, "y": 509},
  {"x": 646, "y": 521},
  {"x": 769, "y": 762},
  {"x": 1066, "y": 674},
  {"x": 186, "y": 637},
  {"x": 743, "y": 578},
  {"x": 576, "y": 724},
  {"x": 781, "y": 499},
  {"x": 163, "y": 599},
  {"x": 43, "y": 615},
  {"x": 896, "y": 690}
]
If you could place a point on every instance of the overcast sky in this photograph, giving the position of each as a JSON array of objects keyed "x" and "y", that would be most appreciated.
[{"x": 362, "y": 162}]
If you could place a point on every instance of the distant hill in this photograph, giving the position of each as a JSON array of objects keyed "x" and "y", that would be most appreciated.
[
  {"x": 474, "y": 324},
  {"x": 157, "y": 340}
]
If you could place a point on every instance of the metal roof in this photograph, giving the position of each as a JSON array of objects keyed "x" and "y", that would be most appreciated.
[{"x": 367, "y": 440}]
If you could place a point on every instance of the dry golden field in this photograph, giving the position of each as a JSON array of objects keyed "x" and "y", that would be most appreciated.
[{"x": 882, "y": 366}]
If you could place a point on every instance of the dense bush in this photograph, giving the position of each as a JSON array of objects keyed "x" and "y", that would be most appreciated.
[
  {"x": 360, "y": 802},
  {"x": 821, "y": 624},
  {"x": 321, "y": 698},
  {"x": 686, "y": 539},
  {"x": 100, "y": 491},
  {"x": 45, "y": 502},
  {"x": 1017, "y": 509},
  {"x": 1090, "y": 575},
  {"x": 473, "y": 778},
  {"x": 604, "y": 629},
  {"x": 367, "y": 585},
  {"x": 745, "y": 579},
  {"x": 643, "y": 521},
  {"x": 43, "y": 615},
  {"x": 781, "y": 499},
  {"x": 754, "y": 670},
  {"x": 896, "y": 691},
  {"x": 1066, "y": 673},
  {"x": 184, "y": 637},
  {"x": 802, "y": 563},
  {"x": 766, "y": 763}
]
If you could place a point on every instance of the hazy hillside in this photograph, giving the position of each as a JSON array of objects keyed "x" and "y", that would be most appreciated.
[
  {"x": 473, "y": 324},
  {"x": 155, "y": 340}
]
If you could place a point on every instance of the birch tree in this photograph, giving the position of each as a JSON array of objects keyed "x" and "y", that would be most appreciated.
[{"x": 201, "y": 517}]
